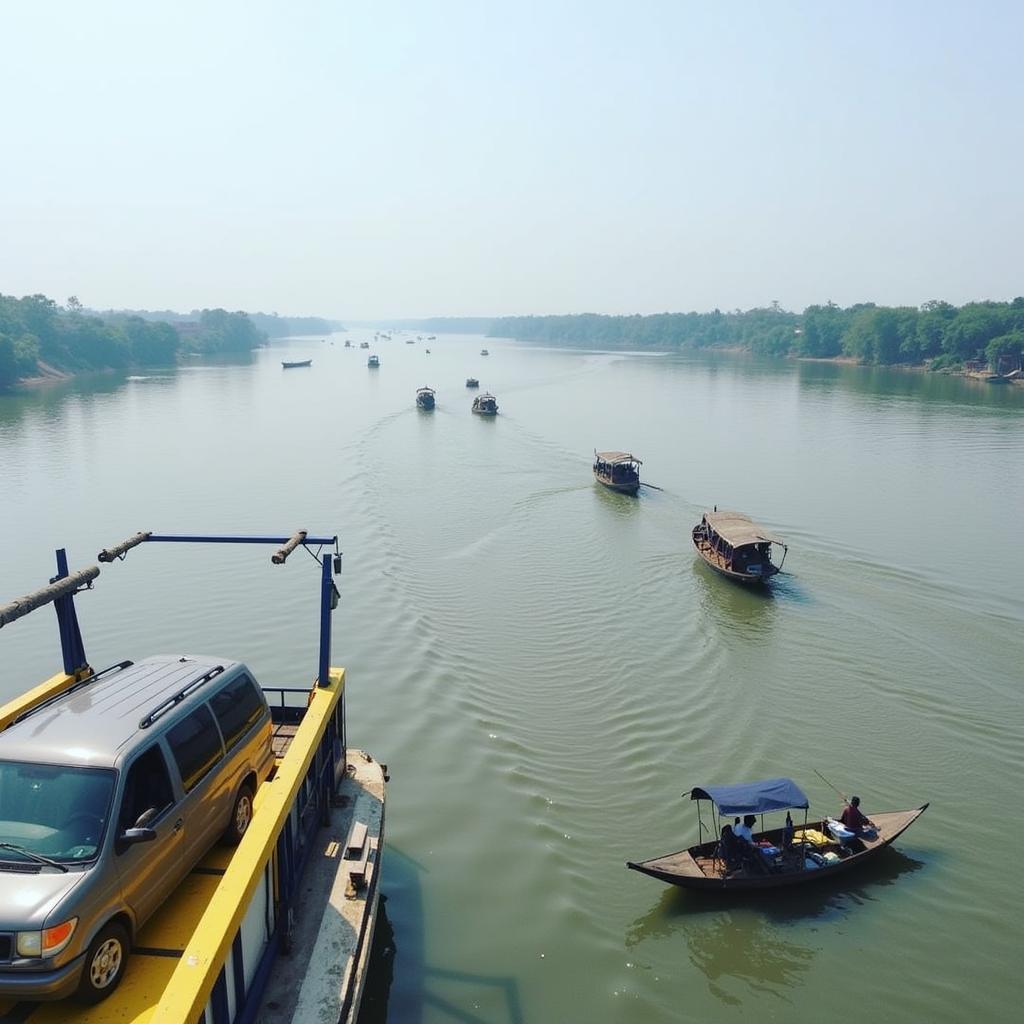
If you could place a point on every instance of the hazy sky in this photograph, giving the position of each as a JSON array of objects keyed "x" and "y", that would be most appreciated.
[{"x": 417, "y": 158}]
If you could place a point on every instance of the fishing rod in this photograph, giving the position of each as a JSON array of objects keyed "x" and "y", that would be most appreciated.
[{"x": 830, "y": 786}]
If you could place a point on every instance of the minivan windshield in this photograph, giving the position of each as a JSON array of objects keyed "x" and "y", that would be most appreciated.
[{"x": 53, "y": 810}]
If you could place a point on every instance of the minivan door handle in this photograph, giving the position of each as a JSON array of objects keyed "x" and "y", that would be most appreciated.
[{"x": 177, "y": 825}]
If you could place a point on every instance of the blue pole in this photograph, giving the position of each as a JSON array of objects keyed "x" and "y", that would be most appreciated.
[
  {"x": 71, "y": 645},
  {"x": 326, "y": 592}
]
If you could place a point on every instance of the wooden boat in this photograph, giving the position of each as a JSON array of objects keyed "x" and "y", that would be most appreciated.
[
  {"x": 295, "y": 364},
  {"x": 472, "y": 382},
  {"x": 619, "y": 471},
  {"x": 484, "y": 352},
  {"x": 485, "y": 405},
  {"x": 734, "y": 545},
  {"x": 373, "y": 362},
  {"x": 425, "y": 398},
  {"x": 410, "y": 341},
  {"x": 702, "y": 867},
  {"x": 431, "y": 337}
]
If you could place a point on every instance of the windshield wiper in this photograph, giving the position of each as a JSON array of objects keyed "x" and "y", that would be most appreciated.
[{"x": 32, "y": 855}]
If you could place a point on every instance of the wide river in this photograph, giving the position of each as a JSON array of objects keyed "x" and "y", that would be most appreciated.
[{"x": 546, "y": 667}]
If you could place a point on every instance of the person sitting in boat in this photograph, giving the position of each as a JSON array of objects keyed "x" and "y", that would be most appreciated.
[
  {"x": 731, "y": 849},
  {"x": 855, "y": 819},
  {"x": 746, "y": 830}
]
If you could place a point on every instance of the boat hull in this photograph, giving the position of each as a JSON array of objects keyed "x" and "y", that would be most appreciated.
[
  {"x": 296, "y": 365},
  {"x": 683, "y": 868},
  {"x": 631, "y": 487}
]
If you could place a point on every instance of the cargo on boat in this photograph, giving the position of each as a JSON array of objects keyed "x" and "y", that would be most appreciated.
[
  {"x": 196, "y": 929},
  {"x": 769, "y": 858},
  {"x": 618, "y": 471},
  {"x": 734, "y": 545}
]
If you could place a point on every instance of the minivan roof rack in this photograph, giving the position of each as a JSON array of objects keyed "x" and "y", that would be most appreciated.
[
  {"x": 164, "y": 706},
  {"x": 74, "y": 688}
]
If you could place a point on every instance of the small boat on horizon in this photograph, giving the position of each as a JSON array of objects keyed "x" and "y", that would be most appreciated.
[
  {"x": 472, "y": 382},
  {"x": 425, "y": 398},
  {"x": 735, "y": 546},
  {"x": 364, "y": 344},
  {"x": 373, "y": 362},
  {"x": 484, "y": 352},
  {"x": 348, "y": 344},
  {"x": 485, "y": 405},
  {"x": 295, "y": 364},
  {"x": 775, "y": 857},
  {"x": 618, "y": 471}
]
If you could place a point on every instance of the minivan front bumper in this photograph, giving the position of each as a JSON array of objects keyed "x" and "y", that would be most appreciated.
[{"x": 43, "y": 985}]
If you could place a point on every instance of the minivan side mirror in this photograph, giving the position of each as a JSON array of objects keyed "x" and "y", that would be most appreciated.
[{"x": 131, "y": 836}]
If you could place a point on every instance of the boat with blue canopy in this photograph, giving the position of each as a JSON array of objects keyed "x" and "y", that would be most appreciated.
[{"x": 784, "y": 855}]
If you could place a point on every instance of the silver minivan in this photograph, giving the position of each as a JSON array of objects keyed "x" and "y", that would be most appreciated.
[{"x": 110, "y": 793}]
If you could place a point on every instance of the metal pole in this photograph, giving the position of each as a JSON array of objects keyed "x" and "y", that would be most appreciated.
[
  {"x": 326, "y": 592},
  {"x": 71, "y": 645}
]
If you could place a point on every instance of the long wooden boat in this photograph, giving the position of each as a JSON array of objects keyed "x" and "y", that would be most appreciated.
[
  {"x": 734, "y": 545},
  {"x": 485, "y": 405},
  {"x": 425, "y": 398},
  {"x": 702, "y": 866},
  {"x": 618, "y": 471},
  {"x": 295, "y": 364}
]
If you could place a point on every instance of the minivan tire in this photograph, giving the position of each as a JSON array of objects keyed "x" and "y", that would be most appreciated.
[
  {"x": 241, "y": 816},
  {"x": 105, "y": 963}
]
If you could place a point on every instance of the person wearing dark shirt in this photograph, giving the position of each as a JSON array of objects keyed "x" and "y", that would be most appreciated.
[{"x": 855, "y": 819}]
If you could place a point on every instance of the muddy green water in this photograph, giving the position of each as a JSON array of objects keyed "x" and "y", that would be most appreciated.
[{"x": 546, "y": 667}]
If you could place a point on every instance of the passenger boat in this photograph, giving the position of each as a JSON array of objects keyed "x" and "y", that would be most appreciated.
[
  {"x": 297, "y": 363},
  {"x": 472, "y": 382},
  {"x": 348, "y": 344},
  {"x": 485, "y": 405},
  {"x": 425, "y": 398},
  {"x": 431, "y": 337},
  {"x": 618, "y": 471},
  {"x": 304, "y": 877},
  {"x": 364, "y": 344},
  {"x": 734, "y": 545},
  {"x": 484, "y": 352},
  {"x": 373, "y": 362},
  {"x": 811, "y": 853}
]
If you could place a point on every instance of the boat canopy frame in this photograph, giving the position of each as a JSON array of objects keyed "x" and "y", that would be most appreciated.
[{"x": 759, "y": 797}]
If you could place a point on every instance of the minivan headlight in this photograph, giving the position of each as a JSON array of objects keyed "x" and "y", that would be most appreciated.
[{"x": 49, "y": 941}]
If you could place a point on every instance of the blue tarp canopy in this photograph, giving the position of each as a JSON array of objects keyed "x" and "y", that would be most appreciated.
[{"x": 753, "y": 797}]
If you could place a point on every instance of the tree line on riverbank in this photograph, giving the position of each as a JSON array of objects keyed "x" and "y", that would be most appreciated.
[
  {"x": 38, "y": 337},
  {"x": 938, "y": 333}
]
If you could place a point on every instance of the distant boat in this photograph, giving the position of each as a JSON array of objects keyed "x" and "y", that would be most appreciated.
[
  {"x": 373, "y": 362},
  {"x": 734, "y": 545},
  {"x": 348, "y": 344},
  {"x": 410, "y": 341},
  {"x": 425, "y": 398},
  {"x": 484, "y": 352},
  {"x": 431, "y": 337},
  {"x": 618, "y": 471},
  {"x": 296, "y": 363},
  {"x": 364, "y": 344},
  {"x": 428, "y": 351},
  {"x": 485, "y": 405},
  {"x": 472, "y": 382}
]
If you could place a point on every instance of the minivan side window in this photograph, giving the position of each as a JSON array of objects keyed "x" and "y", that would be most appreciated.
[
  {"x": 147, "y": 790},
  {"x": 238, "y": 707},
  {"x": 195, "y": 743}
]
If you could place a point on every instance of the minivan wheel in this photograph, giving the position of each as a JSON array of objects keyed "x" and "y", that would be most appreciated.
[
  {"x": 105, "y": 963},
  {"x": 241, "y": 816}
]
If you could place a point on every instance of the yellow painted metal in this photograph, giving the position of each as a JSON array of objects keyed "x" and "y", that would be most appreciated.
[
  {"x": 189, "y": 988},
  {"x": 176, "y": 921},
  {"x": 14, "y": 708}
]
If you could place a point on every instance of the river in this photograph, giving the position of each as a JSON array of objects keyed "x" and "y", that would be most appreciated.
[{"x": 546, "y": 667}]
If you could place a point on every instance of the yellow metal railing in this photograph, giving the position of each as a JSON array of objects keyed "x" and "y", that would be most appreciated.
[{"x": 188, "y": 991}]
